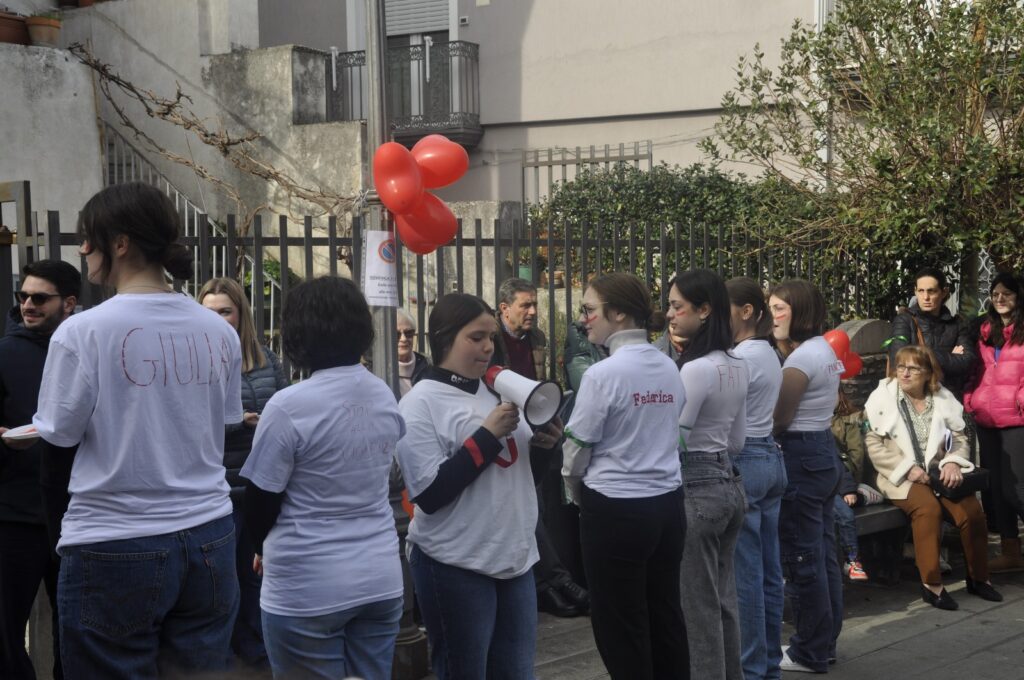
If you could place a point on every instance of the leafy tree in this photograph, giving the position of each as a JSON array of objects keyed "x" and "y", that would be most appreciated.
[{"x": 900, "y": 125}]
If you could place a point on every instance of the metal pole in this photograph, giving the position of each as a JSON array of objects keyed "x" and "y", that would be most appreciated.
[
  {"x": 384, "y": 354},
  {"x": 410, "y": 662}
]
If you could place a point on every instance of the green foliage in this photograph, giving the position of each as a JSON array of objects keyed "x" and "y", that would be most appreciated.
[{"x": 899, "y": 127}]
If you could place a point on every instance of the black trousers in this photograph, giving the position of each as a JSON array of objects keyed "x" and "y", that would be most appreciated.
[
  {"x": 1002, "y": 453},
  {"x": 25, "y": 561},
  {"x": 632, "y": 549}
]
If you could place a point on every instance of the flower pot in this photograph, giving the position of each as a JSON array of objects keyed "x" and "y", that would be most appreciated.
[
  {"x": 525, "y": 272},
  {"x": 44, "y": 31},
  {"x": 12, "y": 29}
]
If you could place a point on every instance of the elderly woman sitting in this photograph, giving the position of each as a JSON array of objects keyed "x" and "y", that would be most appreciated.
[{"x": 917, "y": 425}]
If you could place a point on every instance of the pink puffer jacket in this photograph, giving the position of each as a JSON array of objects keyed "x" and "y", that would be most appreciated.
[{"x": 996, "y": 395}]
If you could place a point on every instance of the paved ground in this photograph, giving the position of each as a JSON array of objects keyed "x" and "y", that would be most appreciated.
[{"x": 888, "y": 633}]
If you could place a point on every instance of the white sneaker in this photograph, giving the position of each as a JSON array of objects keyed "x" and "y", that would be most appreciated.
[{"x": 787, "y": 664}]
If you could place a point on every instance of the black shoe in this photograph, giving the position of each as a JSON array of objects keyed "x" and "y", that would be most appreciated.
[
  {"x": 983, "y": 590},
  {"x": 942, "y": 601},
  {"x": 551, "y": 601},
  {"x": 575, "y": 594}
]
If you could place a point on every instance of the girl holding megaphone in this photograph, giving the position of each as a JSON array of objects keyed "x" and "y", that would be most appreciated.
[{"x": 466, "y": 462}]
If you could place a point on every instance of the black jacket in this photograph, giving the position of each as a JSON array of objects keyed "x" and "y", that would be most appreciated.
[
  {"x": 941, "y": 334},
  {"x": 22, "y": 357},
  {"x": 258, "y": 386}
]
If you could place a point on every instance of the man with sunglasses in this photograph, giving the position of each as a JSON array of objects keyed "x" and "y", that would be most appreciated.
[{"x": 33, "y": 481}]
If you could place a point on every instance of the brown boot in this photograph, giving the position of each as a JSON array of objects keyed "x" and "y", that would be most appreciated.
[{"x": 1009, "y": 560}]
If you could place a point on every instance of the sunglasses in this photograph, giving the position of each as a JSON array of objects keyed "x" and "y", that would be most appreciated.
[
  {"x": 409, "y": 334},
  {"x": 38, "y": 299}
]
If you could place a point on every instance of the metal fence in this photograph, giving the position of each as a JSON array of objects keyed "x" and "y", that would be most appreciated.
[
  {"x": 558, "y": 258},
  {"x": 543, "y": 169}
]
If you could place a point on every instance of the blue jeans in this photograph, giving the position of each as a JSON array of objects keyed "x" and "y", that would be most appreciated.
[
  {"x": 759, "y": 587},
  {"x": 714, "y": 514},
  {"x": 807, "y": 539},
  {"x": 479, "y": 627},
  {"x": 149, "y": 606},
  {"x": 353, "y": 642},
  {"x": 846, "y": 526},
  {"x": 247, "y": 636}
]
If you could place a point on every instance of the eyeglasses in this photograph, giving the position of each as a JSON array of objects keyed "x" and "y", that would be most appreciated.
[
  {"x": 408, "y": 334},
  {"x": 589, "y": 310},
  {"x": 38, "y": 299},
  {"x": 912, "y": 370}
]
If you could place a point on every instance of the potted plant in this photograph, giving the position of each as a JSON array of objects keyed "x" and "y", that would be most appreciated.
[
  {"x": 44, "y": 28},
  {"x": 12, "y": 28}
]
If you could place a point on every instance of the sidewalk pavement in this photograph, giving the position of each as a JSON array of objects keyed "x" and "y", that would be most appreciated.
[{"x": 888, "y": 633}]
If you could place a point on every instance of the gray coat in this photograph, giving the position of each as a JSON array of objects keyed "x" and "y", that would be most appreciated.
[{"x": 258, "y": 386}]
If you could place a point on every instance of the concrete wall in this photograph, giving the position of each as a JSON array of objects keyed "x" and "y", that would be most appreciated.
[
  {"x": 582, "y": 72},
  {"x": 577, "y": 59},
  {"x": 242, "y": 91},
  {"x": 320, "y": 24},
  {"x": 48, "y": 128}
]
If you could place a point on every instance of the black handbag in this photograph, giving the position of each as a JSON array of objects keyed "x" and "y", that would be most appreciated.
[{"x": 974, "y": 481}]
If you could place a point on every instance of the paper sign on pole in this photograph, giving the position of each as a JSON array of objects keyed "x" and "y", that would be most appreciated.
[{"x": 380, "y": 284}]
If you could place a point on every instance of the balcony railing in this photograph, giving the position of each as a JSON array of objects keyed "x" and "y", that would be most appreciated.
[{"x": 432, "y": 88}]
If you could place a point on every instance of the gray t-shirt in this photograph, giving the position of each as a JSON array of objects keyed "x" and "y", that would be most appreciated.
[
  {"x": 144, "y": 384},
  {"x": 816, "y": 360},
  {"x": 765, "y": 381},
  {"x": 327, "y": 443}
]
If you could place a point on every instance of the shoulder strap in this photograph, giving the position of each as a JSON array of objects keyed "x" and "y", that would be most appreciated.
[
  {"x": 917, "y": 327},
  {"x": 905, "y": 412}
]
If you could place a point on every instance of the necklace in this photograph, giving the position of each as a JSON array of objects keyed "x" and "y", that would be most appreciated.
[
  {"x": 142, "y": 286},
  {"x": 749, "y": 337}
]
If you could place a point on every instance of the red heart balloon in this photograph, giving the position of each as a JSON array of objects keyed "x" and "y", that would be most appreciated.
[
  {"x": 432, "y": 219},
  {"x": 441, "y": 160},
  {"x": 397, "y": 178},
  {"x": 839, "y": 341},
  {"x": 854, "y": 364},
  {"x": 412, "y": 239}
]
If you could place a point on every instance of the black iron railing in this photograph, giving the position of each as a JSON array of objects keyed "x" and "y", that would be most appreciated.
[{"x": 432, "y": 88}]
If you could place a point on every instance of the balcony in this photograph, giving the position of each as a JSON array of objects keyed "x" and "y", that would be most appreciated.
[{"x": 432, "y": 88}]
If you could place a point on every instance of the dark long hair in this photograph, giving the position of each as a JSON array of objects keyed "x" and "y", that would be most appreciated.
[
  {"x": 995, "y": 330},
  {"x": 146, "y": 216},
  {"x": 451, "y": 313},
  {"x": 808, "y": 308},
  {"x": 746, "y": 291},
  {"x": 699, "y": 287}
]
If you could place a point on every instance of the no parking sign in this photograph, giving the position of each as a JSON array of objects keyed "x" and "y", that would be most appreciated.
[{"x": 380, "y": 284}]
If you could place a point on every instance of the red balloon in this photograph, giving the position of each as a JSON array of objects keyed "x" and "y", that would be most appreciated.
[
  {"x": 412, "y": 239},
  {"x": 441, "y": 160},
  {"x": 839, "y": 341},
  {"x": 432, "y": 219},
  {"x": 854, "y": 364},
  {"x": 397, "y": 178}
]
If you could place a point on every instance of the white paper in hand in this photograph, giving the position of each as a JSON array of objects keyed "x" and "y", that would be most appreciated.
[{"x": 21, "y": 433}]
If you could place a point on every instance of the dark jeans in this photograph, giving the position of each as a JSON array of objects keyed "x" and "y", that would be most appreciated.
[
  {"x": 807, "y": 538},
  {"x": 632, "y": 548},
  {"x": 479, "y": 627},
  {"x": 25, "y": 562},
  {"x": 247, "y": 636},
  {"x": 1002, "y": 454},
  {"x": 150, "y": 606},
  {"x": 846, "y": 525}
]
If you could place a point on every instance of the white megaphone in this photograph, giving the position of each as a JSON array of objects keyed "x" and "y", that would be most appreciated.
[{"x": 539, "y": 401}]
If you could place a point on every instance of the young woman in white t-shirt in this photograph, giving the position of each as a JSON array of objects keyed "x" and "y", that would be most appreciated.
[
  {"x": 759, "y": 584},
  {"x": 713, "y": 425},
  {"x": 803, "y": 418},
  {"x": 144, "y": 385},
  {"x": 621, "y": 466},
  {"x": 465, "y": 458},
  {"x": 316, "y": 504}
]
